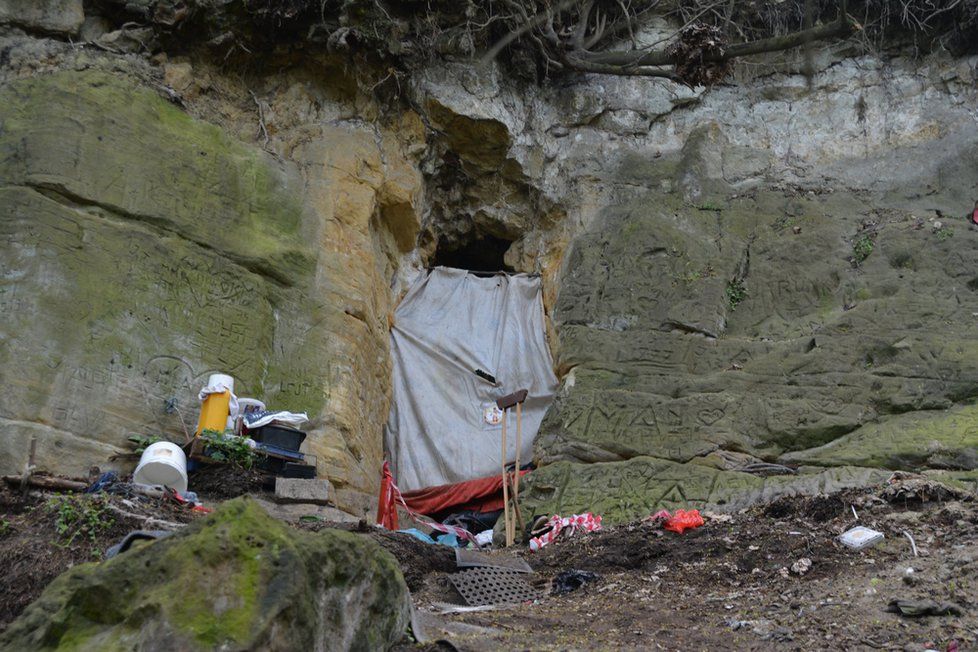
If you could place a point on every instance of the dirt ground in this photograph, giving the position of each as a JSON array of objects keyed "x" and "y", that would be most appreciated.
[
  {"x": 738, "y": 582},
  {"x": 221, "y": 481},
  {"x": 730, "y": 583},
  {"x": 44, "y": 534}
]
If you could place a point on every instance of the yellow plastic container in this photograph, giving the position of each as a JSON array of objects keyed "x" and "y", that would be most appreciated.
[
  {"x": 216, "y": 408},
  {"x": 214, "y": 412}
]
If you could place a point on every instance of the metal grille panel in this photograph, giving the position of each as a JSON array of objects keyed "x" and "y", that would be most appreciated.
[
  {"x": 492, "y": 586},
  {"x": 465, "y": 558}
]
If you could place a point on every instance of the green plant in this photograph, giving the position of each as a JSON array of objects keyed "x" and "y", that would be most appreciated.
[
  {"x": 142, "y": 442},
  {"x": 709, "y": 206},
  {"x": 945, "y": 233},
  {"x": 862, "y": 247},
  {"x": 227, "y": 447},
  {"x": 689, "y": 275},
  {"x": 5, "y": 527},
  {"x": 87, "y": 516},
  {"x": 736, "y": 292}
]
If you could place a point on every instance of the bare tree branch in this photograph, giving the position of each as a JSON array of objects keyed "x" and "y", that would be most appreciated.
[
  {"x": 569, "y": 35},
  {"x": 840, "y": 28}
]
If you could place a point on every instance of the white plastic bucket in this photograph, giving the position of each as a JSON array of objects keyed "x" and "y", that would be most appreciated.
[
  {"x": 162, "y": 463},
  {"x": 221, "y": 379}
]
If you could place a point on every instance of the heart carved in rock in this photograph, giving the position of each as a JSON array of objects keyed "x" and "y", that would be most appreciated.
[{"x": 709, "y": 416}]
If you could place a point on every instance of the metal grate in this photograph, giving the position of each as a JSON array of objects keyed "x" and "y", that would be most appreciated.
[
  {"x": 492, "y": 586},
  {"x": 465, "y": 558}
]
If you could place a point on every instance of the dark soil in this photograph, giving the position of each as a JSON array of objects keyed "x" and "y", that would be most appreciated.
[
  {"x": 418, "y": 560},
  {"x": 34, "y": 551},
  {"x": 739, "y": 582},
  {"x": 773, "y": 577},
  {"x": 224, "y": 481}
]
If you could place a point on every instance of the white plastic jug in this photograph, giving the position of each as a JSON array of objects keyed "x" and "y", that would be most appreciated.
[{"x": 163, "y": 463}]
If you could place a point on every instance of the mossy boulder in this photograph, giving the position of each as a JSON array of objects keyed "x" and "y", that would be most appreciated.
[{"x": 236, "y": 580}]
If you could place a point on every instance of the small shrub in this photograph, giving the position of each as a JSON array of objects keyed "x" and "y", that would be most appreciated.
[
  {"x": 736, "y": 292},
  {"x": 226, "y": 447},
  {"x": 85, "y": 516},
  {"x": 862, "y": 247}
]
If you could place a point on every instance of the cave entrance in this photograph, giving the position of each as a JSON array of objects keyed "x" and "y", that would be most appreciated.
[{"x": 481, "y": 253}]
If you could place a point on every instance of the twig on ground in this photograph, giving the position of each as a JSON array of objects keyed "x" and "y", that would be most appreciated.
[
  {"x": 913, "y": 544},
  {"x": 149, "y": 520},
  {"x": 46, "y": 482}
]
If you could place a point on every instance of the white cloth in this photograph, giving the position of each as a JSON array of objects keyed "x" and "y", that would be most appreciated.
[
  {"x": 484, "y": 538},
  {"x": 442, "y": 428},
  {"x": 259, "y": 419}
]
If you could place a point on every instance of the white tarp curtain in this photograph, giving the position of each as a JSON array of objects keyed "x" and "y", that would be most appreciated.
[{"x": 450, "y": 323}]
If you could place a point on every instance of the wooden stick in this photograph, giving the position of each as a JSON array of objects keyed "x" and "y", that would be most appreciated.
[
  {"x": 149, "y": 520},
  {"x": 517, "y": 515},
  {"x": 46, "y": 482},
  {"x": 509, "y": 539},
  {"x": 519, "y": 444},
  {"x": 28, "y": 468}
]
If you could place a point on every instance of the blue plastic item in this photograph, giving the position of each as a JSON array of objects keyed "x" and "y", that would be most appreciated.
[{"x": 449, "y": 540}]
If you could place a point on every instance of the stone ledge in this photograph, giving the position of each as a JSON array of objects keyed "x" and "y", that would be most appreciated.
[{"x": 299, "y": 490}]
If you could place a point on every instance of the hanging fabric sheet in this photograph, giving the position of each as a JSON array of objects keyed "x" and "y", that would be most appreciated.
[{"x": 444, "y": 427}]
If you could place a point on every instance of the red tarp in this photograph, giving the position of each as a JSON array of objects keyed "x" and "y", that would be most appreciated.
[{"x": 480, "y": 495}]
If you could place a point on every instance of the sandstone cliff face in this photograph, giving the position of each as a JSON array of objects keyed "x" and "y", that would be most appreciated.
[
  {"x": 145, "y": 249},
  {"x": 773, "y": 271}
]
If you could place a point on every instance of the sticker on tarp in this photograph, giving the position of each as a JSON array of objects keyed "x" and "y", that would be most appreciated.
[{"x": 492, "y": 415}]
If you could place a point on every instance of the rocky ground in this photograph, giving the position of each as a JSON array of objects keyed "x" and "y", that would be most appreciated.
[{"x": 769, "y": 577}]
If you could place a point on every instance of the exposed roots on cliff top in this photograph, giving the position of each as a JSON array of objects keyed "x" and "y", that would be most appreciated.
[{"x": 540, "y": 39}]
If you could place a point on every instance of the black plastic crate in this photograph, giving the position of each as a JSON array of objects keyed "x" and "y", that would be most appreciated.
[
  {"x": 305, "y": 471},
  {"x": 273, "y": 465},
  {"x": 278, "y": 436}
]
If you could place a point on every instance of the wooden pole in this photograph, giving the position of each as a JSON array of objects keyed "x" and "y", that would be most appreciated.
[
  {"x": 509, "y": 538},
  {"x": 45, "y": 482},
  {"x": 516, "y": 478},
  {"x": 29, "y": 467}
]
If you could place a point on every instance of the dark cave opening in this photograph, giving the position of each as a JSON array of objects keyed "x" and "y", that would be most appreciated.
[{"x": 481, "y": 253}]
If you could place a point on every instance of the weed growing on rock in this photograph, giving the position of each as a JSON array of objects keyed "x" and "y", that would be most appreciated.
[
  {"x": 142, "y": 442},
  {"x": 87, "y": 516},
  {"x": 709, "y": 206},
  {"x": 692, "y": 275},
  {"x": 862, "y": 247},
  {"x": 736, "y": 292}
]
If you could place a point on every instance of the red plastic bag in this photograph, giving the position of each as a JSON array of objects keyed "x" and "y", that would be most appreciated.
[{"x": 683, "y": 520}]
